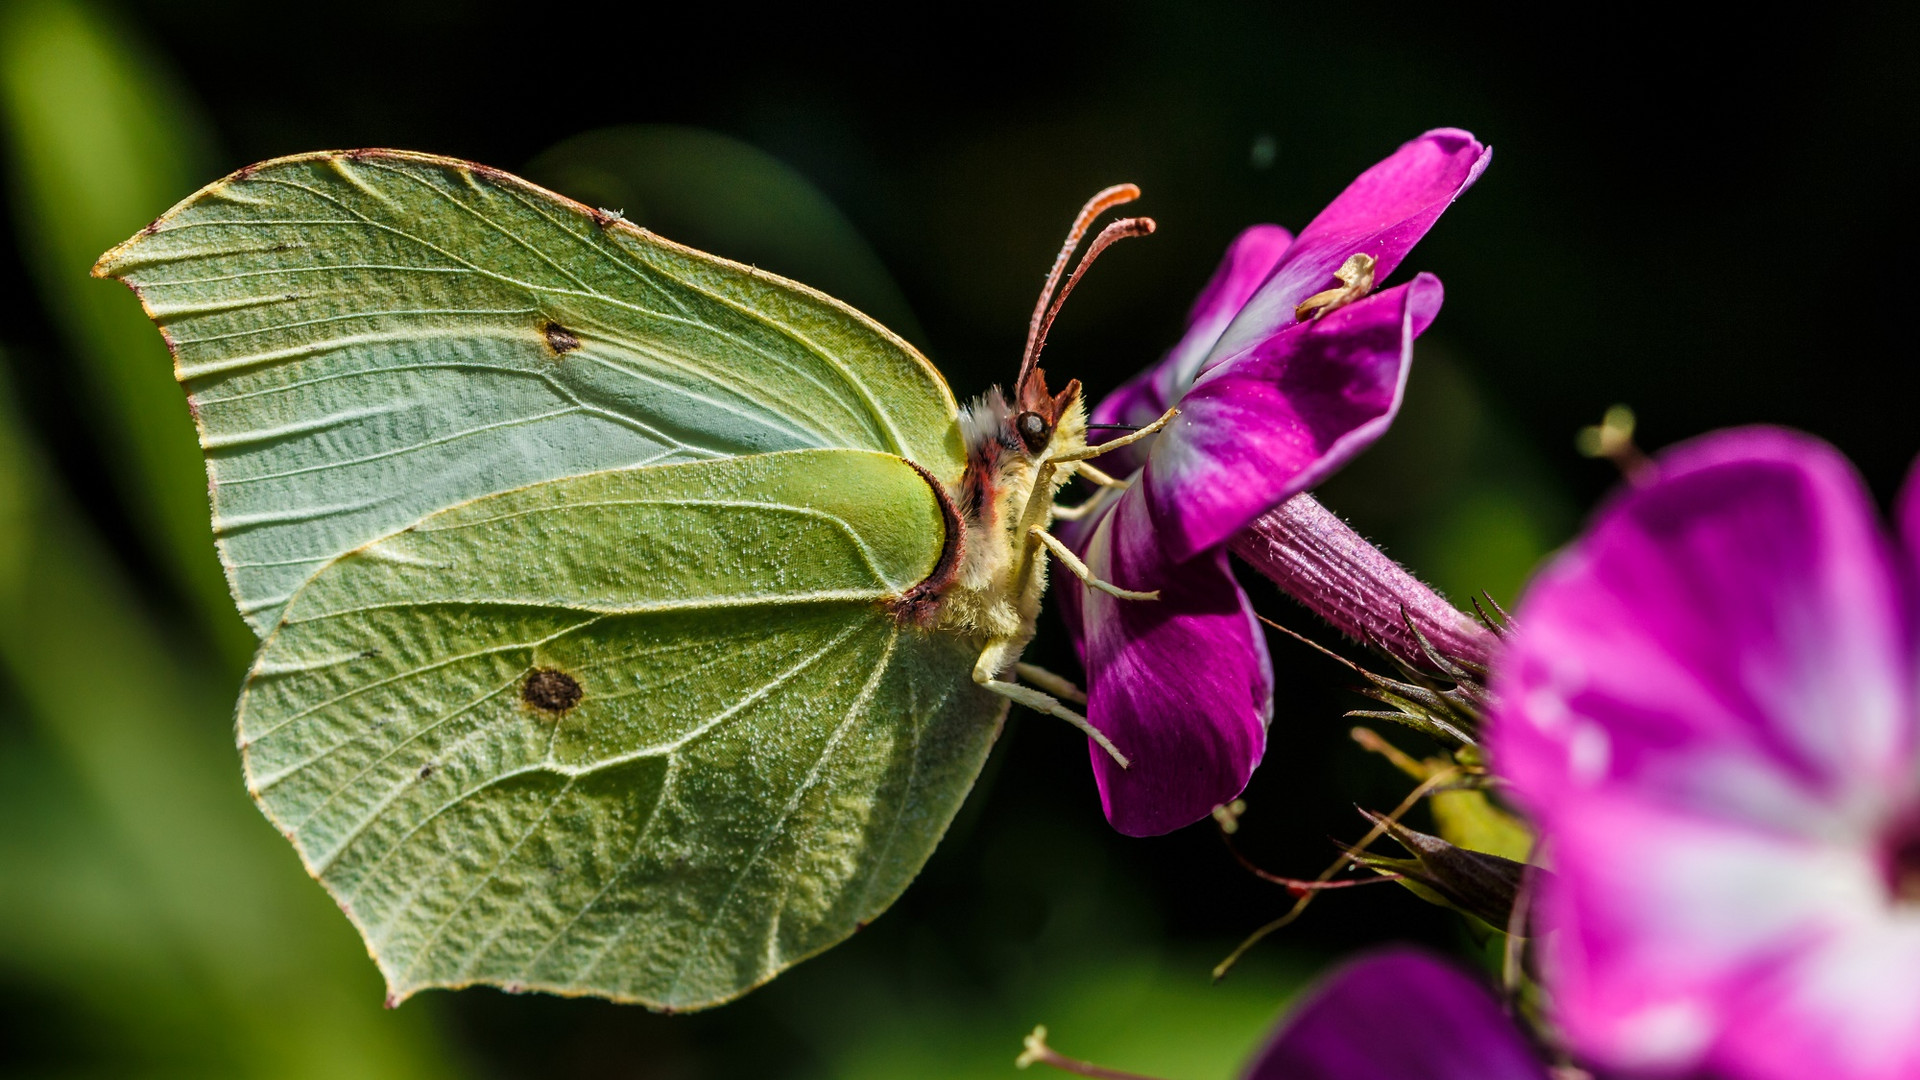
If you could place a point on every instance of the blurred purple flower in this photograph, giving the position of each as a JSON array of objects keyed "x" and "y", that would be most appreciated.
[
  {"x": 1709, "y": 706},
  {"x": 1287, "y": 369},
  {"x": 1398, "y": 1015}
]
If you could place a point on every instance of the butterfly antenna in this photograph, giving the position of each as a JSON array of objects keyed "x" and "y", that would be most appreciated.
[
  {"x": 1118, "y": 230},
  {"x": 1048, "y": 306}
]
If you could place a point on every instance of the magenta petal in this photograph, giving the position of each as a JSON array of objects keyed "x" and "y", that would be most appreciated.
[
  {"x": 1137, "y": 403},
  {"x": 1847, "y": 1009},
  {"x": 1730, "y": 639},
  {"x": 1141, "y": 400},
  {"x": 1383, "y": 214},
  {"x": 1398, "y": 1015},
  {"x": 1249, "y": 259},
  {"x": 1706, "y": 703},
  {"x": 1180, "y": 684},
  {"x": 1684, "y": 941},
  {"x": 1280, "y": 418}
]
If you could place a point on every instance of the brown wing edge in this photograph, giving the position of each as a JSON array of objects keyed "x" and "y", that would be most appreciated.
[{"x": 106, "y": 265}]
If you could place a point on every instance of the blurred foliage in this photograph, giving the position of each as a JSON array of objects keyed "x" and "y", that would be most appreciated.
[
  {"x": 718, "y": 194},
  {"x": 98, "y": 143},
  {"x": 156, "y": 884},
  {"x": 1654, "y": 205}
]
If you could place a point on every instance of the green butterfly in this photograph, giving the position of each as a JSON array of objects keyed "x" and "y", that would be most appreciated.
[{"x": 633, "y": 622}]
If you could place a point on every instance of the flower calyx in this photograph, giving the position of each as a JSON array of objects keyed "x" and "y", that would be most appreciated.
[
  {"x": 1477, "y": 883},
  {"x": 1419, "y": 700}
]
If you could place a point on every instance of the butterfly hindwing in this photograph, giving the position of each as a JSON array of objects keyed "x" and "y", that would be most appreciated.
[
  {"x": 369, "y": 337},
  {"x": 652, "y": 734}
]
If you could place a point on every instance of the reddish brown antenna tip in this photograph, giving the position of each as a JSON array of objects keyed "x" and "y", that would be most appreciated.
[{"x": 1046, "y": 307}]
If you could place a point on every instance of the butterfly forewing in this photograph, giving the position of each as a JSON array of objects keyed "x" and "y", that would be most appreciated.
[
  {"x": 653, "y": 734},
  {"x": 370, "y": 337}
]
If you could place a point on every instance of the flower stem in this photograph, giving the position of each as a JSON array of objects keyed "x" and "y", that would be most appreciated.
[
  {"x": 1038, "y": 1052},
  {"x": 1320, "y": 561}
]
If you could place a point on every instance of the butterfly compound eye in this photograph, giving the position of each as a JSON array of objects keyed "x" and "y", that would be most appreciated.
[{"x": 1034, "y": 431}]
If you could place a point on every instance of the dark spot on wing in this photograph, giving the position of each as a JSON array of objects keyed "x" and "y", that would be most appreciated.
[
  {"x": 550, "y": 690},
  {"x": 560, "y": 339}
]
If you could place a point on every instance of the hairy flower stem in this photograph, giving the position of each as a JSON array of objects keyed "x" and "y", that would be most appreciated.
[{"x": 1318, "y": 560}]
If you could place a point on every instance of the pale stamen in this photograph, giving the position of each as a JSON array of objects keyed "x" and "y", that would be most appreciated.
[
  {"x": 1356, "y": 281},
  {"x": 1035, "y": 1051}
]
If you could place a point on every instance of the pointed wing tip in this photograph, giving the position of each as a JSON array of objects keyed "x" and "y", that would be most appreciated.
[{"x": 110, "y": 262}]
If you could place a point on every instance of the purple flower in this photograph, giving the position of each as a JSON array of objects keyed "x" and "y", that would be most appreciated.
[
  {"x": 1287, "y": 370},
  {"x": 1398, "y": 1015},
  {"x": 1709, "y": 706}
]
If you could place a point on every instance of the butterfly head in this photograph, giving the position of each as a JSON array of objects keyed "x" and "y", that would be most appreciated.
[{"x": 1041, "y": 422}]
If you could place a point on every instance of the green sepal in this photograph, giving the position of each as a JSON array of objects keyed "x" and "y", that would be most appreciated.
[{"x": 1473, "y": 882}]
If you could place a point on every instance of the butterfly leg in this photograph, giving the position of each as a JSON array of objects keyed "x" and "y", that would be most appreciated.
[
  {"x": 1096, "y": 476},
  {"x": 1110, "y": 445},
  {"x": 1053, "y": 684},
  {"x": 1040, "y": 508},
  {"x": 1074, "y": 513},
  {"x": 1073, "y": 563},
  {"x": 1107, "y": 484},
  {"x": 994, "y": 656}
]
